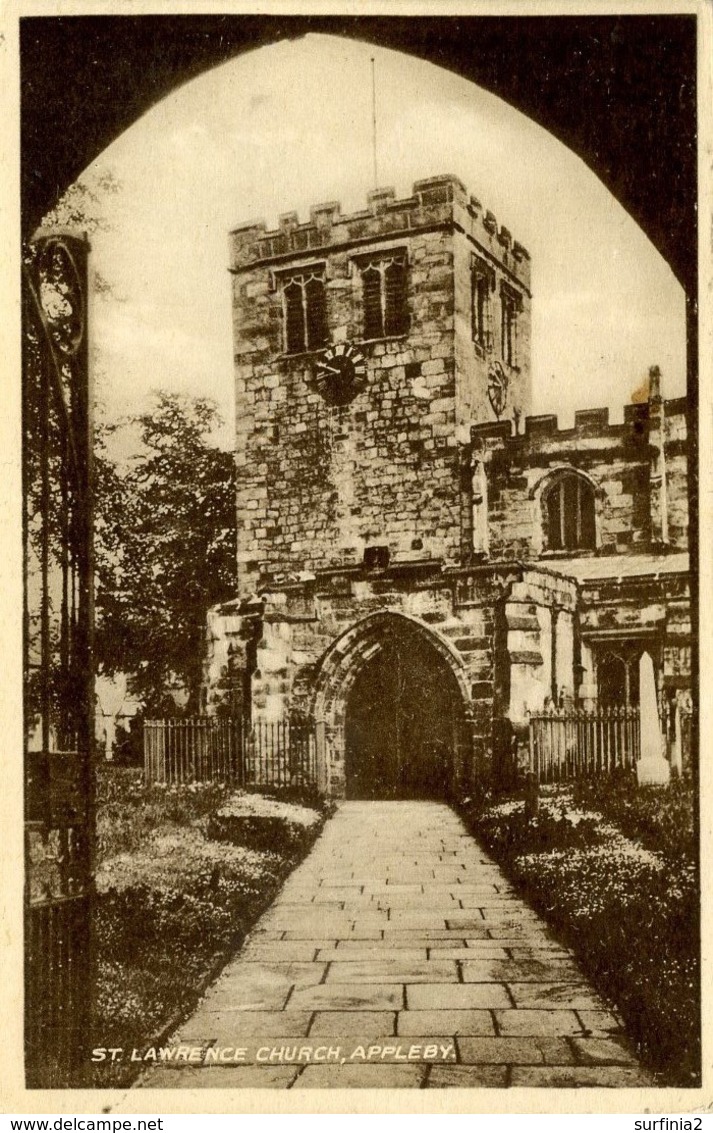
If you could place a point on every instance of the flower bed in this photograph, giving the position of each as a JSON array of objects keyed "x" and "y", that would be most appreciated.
[
  {"x": 662, "y": 818},
  {"x": 174, "y": 903},
  {"x": 630, "y": 911}
]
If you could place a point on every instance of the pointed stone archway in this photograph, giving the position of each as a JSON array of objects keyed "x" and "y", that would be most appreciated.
[{"x": 393, "y": 713}]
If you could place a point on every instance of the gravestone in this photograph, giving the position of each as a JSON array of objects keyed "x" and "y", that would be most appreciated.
[{"x": 652, "y": 768}]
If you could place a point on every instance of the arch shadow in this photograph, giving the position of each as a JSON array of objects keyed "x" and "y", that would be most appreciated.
[{"x": 71, "y": 69}]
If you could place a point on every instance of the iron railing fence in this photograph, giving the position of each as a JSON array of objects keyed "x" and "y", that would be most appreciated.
[
  {"x": 199, "y": 749},
  {"x": 212, "y": 749},
  {"x": 280, "y": 754},
  {"x": 579, "y": 744}
]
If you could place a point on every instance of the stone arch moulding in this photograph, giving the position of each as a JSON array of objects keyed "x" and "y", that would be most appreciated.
[
  {"x": 541, "y": 487},
  {"x": 548, "y": 478},
  {"x": 338, "y": 670}
]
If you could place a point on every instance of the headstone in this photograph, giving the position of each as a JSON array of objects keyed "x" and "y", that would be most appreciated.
[{"x": 652, "y": 768}]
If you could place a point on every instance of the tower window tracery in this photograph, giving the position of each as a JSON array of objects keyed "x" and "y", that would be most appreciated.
[
  {"x": 305, "y": 311},
  {"x": 510, "y": 307},
  {"x": 482, "y": 279},
  {"x": 384, "y": 280}
]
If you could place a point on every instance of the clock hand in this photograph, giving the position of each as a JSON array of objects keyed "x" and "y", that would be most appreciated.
[{"x": 330, "y": 369}]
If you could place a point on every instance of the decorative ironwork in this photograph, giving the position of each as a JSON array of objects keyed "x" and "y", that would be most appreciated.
[{"x": 58, "y": 685}]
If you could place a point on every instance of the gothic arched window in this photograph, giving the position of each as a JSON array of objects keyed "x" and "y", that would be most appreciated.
[
  {"x": 568, "y": 506},
  {"x": 305, "y": 312},
  {"x": 618, "y": 676},
  {"x": 510, "y": 308},
  {"x": 384, "y": 295},
  {"x": 482, "y": 283}
]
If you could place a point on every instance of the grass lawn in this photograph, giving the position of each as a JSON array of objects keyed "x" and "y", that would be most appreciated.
[
  {"x": 182, "y": 875},
  {"x": 614, "y": 869}
]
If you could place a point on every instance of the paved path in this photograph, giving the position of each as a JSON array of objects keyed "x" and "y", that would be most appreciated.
[{"x": 398, "y": 955}]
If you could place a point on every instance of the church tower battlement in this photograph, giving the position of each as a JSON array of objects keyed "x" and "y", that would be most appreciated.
[{"x": 366, "y": 346}]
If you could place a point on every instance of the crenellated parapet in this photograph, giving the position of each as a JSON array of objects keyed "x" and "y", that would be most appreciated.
[
  {"x": 435, "y": 202},
  {"x": 592, "y": 424}
]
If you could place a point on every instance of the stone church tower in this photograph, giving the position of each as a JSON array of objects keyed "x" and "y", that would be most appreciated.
[
  {"x": 366, "y": 345},
  {"x": 385, "y": 460}
]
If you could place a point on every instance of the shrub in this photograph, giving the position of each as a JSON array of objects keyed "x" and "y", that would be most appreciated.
[
  {"x": 662, "y": 818},
  {"x": 630, "y": 912},
  {"x": 263, "y": 823},
  {"x": 128, "y": 811},
  {"x": 173, "y": 904}
]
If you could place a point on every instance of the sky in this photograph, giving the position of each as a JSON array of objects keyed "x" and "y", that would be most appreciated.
[{"x": 290, "y": 125}]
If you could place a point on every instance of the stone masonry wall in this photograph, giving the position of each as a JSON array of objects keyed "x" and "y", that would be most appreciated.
[
  {"x": 300, "y": 624},
  {"x": 480, "y": 236},
  {"x": 318, "y": 483},
  {"x": 493, "y": 625},
  {"x": 647, "y": 607},
  {"x": 418, "y": 463},
  {"x": 540, "y": 613},
  {"x": 676, "y": 447},
  {"x": 618, "y": 460}
]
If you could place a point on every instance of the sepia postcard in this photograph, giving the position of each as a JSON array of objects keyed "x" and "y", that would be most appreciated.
[{"x": 357, "y": 432}]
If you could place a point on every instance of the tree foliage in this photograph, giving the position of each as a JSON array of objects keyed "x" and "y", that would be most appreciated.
[
  {"x": 83, "y": 208},
  {"x": 165, "y": 548}
]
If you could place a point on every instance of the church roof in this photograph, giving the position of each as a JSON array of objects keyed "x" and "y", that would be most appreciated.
[{"x": 622, "y": 566}]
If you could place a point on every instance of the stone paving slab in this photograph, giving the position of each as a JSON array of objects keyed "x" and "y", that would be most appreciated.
[
  {"x": 363, "y": 953},
  {"x": 529, "y": 970},
  {"x": 353, "y": 1077},
  {"x": 341, "y": 1024},
  {"x": 396, "y": 932},
  {"x": 536, "y": 1022},
  {"x": 438, "y": 997},
  {"x": 393, "y": 970},
  {"x": 461, "y": 1022},
  {"x": 396, "y": 938},
  {"x": 284, "y": 951},
  {"x": 394, "y": 945},
  {"x": 600, "y": 1022},
  {"x": 307, "y": 933},
  {"x": 486, "y": 952},
  {"x": 351, "y": 997},
  {"x": 599, "y": 1052},
  {"x": 221, "y": 1026},
  {"x": 564, "y": 994},
  {"x": 259, "y": 973},
  {"x": 541, "y": 950},
  {"x": 467, "y": 1077},
  {"x": 515, "y": 1052}
]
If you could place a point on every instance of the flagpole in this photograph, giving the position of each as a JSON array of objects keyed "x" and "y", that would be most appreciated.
[{"x": 373, "y": 118}]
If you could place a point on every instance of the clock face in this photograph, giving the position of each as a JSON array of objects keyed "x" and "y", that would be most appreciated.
[
  {"x": 340, "y": 373},
  {"x": 497, "y": 388}
]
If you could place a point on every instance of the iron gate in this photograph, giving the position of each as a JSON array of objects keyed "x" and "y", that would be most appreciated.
[{"x": 58, "y": 664}]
